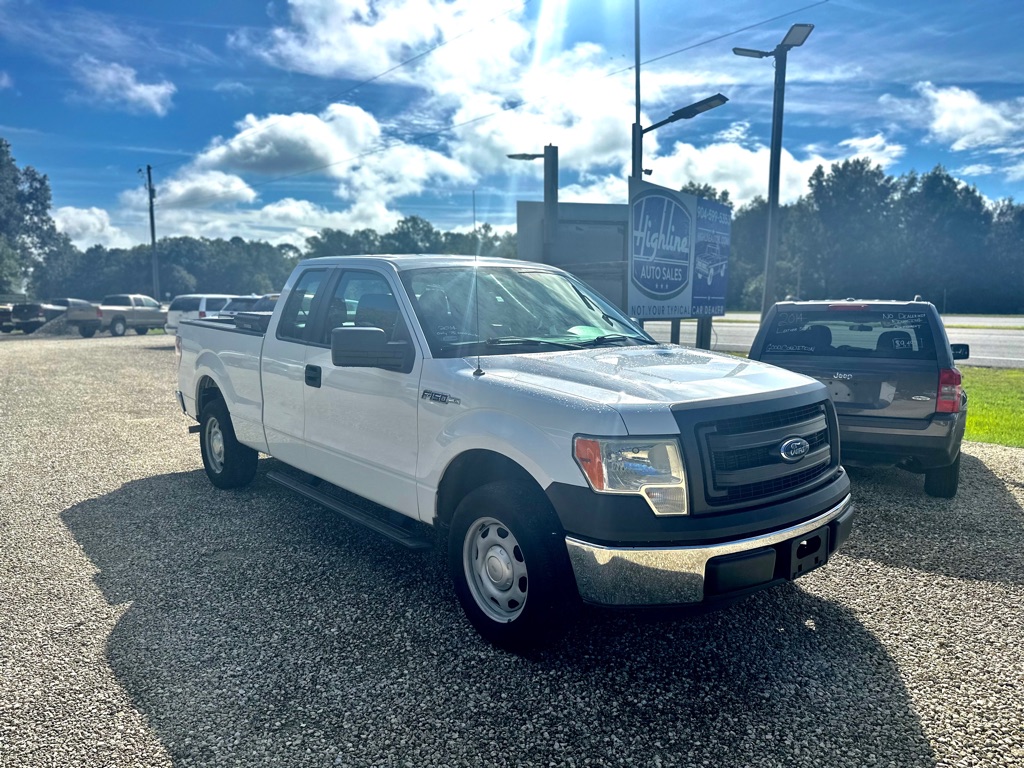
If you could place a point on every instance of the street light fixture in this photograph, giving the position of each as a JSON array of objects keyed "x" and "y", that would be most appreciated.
[
  {"x": 704, "y": 105},
  {"x": 796, "y": 36}
]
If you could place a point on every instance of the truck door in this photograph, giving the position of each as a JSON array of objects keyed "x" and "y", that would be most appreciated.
[
  {"x": 361, "y": 422},
  {"x": 282, "y": 369}
]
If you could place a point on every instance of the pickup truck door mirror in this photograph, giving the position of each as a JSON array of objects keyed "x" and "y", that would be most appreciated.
[
  {"x": 960, "y": 351},
  {"x": 369, "y": 348}
]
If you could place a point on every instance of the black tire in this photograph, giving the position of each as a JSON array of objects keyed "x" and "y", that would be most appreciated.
[
  {"x": 141, "y": 331},
  {"x": 508, "y": 561},
  {"x": 87, "y": 331},
  {"x": 228, "y": 463},
  {"x": 118, "y": 326},
  {"x": 944, "y": 481}
]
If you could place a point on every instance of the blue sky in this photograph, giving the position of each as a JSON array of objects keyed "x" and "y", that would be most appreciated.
[{"x": 273, "y": 120}]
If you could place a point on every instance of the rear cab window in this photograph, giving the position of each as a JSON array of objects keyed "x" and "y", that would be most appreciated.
[{"x": 904, "y": 334}]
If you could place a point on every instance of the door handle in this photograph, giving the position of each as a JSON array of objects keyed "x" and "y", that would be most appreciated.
[{"x": 312, "y": 375}]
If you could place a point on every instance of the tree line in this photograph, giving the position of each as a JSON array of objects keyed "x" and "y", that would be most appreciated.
[{"x": 858, "y": 232}]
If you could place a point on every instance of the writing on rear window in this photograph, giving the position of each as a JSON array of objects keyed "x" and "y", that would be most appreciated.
[{"x": 853, "y": 333}]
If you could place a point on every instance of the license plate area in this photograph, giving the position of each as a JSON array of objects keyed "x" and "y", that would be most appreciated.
[{"x": 808, "y": 552}]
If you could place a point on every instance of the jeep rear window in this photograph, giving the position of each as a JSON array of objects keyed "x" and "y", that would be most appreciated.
[{"x": 885, "y": 333}]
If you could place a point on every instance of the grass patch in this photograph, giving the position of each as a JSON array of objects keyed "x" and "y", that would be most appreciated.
[{"x": 994, "y": 412}]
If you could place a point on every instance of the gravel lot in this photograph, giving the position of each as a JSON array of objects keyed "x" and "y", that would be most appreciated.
[{"x": 147, "y": 619}]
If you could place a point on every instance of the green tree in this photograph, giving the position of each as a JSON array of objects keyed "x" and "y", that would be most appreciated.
[
  {"x": 1005, "y": 258},
  {"x": 708, "y": 192},
  {"x": 944, "y": 229},
  {"x": 27, "y": 232},
  {"x": 850, "y": 230}
]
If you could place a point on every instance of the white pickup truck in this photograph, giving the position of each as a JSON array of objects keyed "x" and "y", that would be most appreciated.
[{"x": 505, "y": 408}]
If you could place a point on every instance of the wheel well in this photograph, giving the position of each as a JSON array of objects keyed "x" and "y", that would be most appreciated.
[
  {"x": 206, "y": 392},
  {"x": 471, "y": 470}
]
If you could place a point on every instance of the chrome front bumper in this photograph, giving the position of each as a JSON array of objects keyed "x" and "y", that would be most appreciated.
[{"x": 668, "y": 575}]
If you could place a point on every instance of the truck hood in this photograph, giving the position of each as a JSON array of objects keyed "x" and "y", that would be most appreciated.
[{"x": 643, "y": 376}]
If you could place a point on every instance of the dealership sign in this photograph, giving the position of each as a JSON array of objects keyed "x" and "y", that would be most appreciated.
[{"x": 678, "y": 253}]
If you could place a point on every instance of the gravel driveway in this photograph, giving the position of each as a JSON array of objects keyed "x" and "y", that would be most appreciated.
[{"x": 147, "y": 619}]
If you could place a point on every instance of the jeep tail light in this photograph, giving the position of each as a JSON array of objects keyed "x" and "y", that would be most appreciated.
[
  {"x": 948, "y": 400},
  {"x": 202, "y": 314}
]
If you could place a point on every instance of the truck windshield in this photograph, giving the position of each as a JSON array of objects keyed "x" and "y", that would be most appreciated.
[{"x": 504, "y": 310}]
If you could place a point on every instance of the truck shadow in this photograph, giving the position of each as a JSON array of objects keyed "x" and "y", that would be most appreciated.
[
  {"x": 263, "y": 630},
  {"x": 975, "y": 535}
]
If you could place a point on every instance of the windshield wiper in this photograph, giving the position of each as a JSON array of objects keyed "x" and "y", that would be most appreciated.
[
  {"x": 526, "y": 341},
  {"x": 611, "y": 338}
]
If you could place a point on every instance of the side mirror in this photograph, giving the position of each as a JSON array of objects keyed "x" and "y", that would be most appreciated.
[
  {"x": 960, "y": 351},
  {"x": 369, "y": 348}
]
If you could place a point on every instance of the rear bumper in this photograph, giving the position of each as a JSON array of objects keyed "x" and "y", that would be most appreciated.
[
  {"x": 688, "y": 575},
  {"x": 917, "y": 445}
]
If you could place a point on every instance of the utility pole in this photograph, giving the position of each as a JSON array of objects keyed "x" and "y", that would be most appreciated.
[{"x": 152, "y": 233}]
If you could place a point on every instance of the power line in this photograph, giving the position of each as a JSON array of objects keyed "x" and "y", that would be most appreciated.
[{"x": 511, "y": 107}]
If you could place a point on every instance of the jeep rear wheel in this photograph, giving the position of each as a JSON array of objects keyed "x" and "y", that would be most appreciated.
[
  {"x": 944, "y": 481},
  {"x": 141, "y": 330}
]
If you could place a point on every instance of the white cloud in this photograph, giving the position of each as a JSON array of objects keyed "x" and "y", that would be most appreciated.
[
  {"x": 876, "y": 148},
  {"x": 358, "y": 39},
  {"x": 962, "y": 119},
  {"x": 90, "y": 226},
  {"x": 978, "y": 169},
  {"x": 232, "y": 87},
  {"x": 118, "y": 86},
  {"x": 193, "y": 189},
  {"x": 297, "y": 143},
  {"x": 6, "y": 81}
]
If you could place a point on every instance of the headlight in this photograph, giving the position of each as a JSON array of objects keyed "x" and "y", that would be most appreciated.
[{"x": 650, "y": 468}]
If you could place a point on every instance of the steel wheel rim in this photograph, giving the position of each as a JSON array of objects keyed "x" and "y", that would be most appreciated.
[
  {"x": 495, "y": 569},
  {"x": 215, "y": 445}
]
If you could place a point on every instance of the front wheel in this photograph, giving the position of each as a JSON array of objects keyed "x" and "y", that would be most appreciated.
[
  {"x": 142, "y": 331},
  {"x": 228, "y": 463},
  {"x": 86, "y": 331},
  {"x": 944, "y": 481},
  {"x": 118, "y": 326},
  {"x": 507, "y": 558}
]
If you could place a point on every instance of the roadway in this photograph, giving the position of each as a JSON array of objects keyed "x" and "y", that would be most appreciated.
[{"x": 996, "y": 342}]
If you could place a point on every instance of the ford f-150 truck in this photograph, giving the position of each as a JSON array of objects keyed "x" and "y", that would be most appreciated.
[{"x": 560, "y": 453}]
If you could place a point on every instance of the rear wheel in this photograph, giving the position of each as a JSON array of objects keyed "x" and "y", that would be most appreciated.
[
  {"x": 118, "y": 326},
  {"x": 228, "y": 463},
  {"x": 944, "y": 481},
  {"x": 507, "y": 558}
]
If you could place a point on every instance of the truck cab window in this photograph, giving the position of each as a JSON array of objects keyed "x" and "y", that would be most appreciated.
[
  {"x": 299, "y": 308},
  {"x": 364, "y": 299}
]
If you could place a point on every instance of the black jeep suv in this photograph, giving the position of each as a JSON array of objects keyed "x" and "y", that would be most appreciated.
[{"x": 889, "y": 368}]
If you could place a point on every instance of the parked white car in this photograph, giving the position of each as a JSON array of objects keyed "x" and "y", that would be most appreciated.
[{"x": 194, "y": 306}]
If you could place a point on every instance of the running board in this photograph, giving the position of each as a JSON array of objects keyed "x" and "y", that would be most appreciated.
[{"x": 383, "y": 527}]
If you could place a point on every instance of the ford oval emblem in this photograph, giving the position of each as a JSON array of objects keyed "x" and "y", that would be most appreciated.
[{"x": 793, "y": 449}]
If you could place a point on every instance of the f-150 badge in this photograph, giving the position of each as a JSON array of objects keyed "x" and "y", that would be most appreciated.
[{"x": 439, "y": 397}]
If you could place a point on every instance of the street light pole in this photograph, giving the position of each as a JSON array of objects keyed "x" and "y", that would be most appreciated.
[
  {"x": 774, "y": 170},
  {"x": 550, "y": 194},
  {"x": 796, "y": 36}
]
